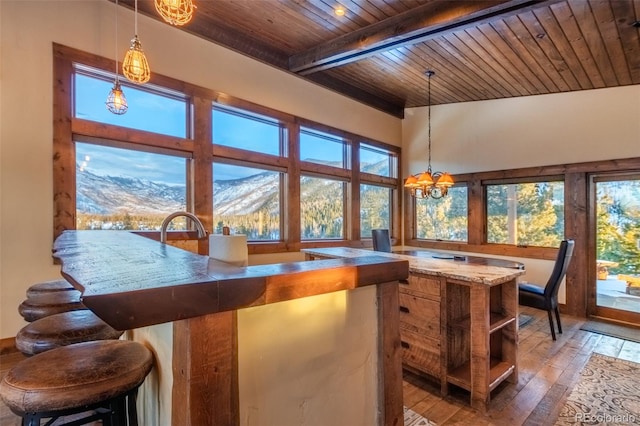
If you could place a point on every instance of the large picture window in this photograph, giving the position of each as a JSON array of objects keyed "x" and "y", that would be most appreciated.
[
  {"x": 123, "y": 189},
  {"x": 445, "y": 218},
  {"x": 526, "y": 214},
  {"x": 284, "y": 181},
  {"x": 247, "y": 200},
  {"x": 321, "y": 208}
]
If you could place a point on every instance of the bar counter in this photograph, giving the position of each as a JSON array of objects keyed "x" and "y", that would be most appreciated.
[{"x": 131, "y": 281}]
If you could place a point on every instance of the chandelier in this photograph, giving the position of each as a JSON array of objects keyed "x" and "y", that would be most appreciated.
[
  {"x": 428, "y": 183},
  {"x": 116, "y": 101},
  {"x": 175, "y": 12}
]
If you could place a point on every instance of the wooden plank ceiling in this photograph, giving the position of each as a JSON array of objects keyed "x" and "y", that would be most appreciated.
[{"x": 378, "y": 52}]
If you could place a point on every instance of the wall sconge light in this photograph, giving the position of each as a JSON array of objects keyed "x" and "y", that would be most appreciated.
[
  {"x": 175, "y": 12},
  {"x": 135, "y": 66}
]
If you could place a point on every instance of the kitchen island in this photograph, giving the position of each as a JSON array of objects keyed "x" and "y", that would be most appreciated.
[
  {"x": 458, "y": 318},
  {"x": 296, "y": 343}
]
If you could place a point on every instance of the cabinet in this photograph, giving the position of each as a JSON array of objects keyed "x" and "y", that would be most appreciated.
[
  {"x": 420, "y": 324},
  {"x": 461, "y": 333}
]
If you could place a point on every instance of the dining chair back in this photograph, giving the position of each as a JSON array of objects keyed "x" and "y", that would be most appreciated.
[
  {"x": 546, "y": 298},
  {"x": 381, "y": 240}
]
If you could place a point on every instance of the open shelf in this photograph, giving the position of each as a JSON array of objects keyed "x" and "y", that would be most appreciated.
[
  {"x": 498, "y": 371},
  {"x": 496, "y": 322}
]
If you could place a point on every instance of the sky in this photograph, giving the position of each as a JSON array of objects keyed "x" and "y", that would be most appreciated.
[{"x": 145, "y": 112}]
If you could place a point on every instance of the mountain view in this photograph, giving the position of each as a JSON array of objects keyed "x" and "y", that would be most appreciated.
[{"x": 249, "y": 205}]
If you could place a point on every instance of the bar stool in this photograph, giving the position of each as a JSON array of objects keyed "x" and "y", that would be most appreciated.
[
  {"x": 49, "y": 298},
  {"x": 46, "y": 287},
  {"x": 63, "y": 329},
  {"x": 100, "y": 378}
]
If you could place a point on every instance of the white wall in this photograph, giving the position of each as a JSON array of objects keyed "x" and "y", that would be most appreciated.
[
  {"x": 27, "y": 30},
  {"x": 528, "y": 131}
]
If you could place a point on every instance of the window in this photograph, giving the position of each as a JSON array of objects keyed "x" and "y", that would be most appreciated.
[
  {"x": 247, "y": 200},
  {"x": 321, "y": 208},
  {"x": 323, "y": 148},
  {"x": 526, "y": 214},
  {"x": 378, "y": 161},
  {"x": 444, "y": 218},
  {"x": 375, "y": 208},
  {"x": 149, "y": 110},
  {"x": 246, "y": 130},
  {"x": 122, "y": 189},
  {"x": 130, "y": 171}
]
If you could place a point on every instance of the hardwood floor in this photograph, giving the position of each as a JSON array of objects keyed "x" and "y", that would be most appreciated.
[{"x": 548, "y": 371}]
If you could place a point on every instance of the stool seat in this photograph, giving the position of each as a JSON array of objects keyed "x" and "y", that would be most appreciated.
[
  {"x": 49, "y": 287},
  {"x": 61, "y": 330},
  {"x": 48, "y": 303},
  {"x": 75, "y": 376}
]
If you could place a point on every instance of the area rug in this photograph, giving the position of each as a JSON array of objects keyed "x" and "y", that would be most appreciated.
[
  {"x": 626, "y": 333},
  {"x": 411, "y": 418},
  {"x": 606, "y": 393}
]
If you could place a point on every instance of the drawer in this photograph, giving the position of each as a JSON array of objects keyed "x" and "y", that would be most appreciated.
[
  {"x": 420, "y": 315},
  {"x": 421, "y": 353},
  {"x": 422, "y": 285}
]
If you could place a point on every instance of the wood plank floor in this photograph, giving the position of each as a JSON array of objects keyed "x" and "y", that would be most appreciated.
[{"x": 548, "y": 372}]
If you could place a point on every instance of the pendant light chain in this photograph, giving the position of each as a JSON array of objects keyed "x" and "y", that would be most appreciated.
[{"x": 429, "y": 74}]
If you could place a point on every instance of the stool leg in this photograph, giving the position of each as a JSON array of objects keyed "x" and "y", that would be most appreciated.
[
  {"x": 132, "y": 409},
  {"x": 31, "y": 420}
]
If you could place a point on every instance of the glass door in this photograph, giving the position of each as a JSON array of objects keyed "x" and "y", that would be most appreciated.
[{"x": 615, "y": 257}]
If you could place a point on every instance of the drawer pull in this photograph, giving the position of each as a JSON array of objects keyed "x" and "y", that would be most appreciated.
[
  {"x": 404, "y": 309},
  {"x": 404, "y": 344}
]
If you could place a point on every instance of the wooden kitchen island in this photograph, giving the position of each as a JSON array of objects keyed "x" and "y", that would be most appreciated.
[
  {"x": 353, "y": 376},
  {"x": 458, "y": 318}
]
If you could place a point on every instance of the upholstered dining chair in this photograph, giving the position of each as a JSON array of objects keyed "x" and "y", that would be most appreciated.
[
  {"x": 381, "y": 240},
  {"x": 546, "y": 298}
]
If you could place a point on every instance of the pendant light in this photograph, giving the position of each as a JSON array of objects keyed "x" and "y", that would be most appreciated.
[
  {"x": 116, "y": 101},
  {"x": 175, "y": 12},
  {"x": 135, "y": 66},
  {"x": 428, "y": 183}
]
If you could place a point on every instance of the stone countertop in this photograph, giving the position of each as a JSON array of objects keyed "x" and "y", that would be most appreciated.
[
  {"x": 131, "y": 281},
  {"x": 449, "y": 268}
]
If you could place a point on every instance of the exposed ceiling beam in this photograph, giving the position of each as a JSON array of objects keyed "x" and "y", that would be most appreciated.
[{"x": 413, "y": 26}]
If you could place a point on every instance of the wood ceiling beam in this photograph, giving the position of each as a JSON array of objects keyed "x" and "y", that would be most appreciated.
[{"x": 413, "y": 26}]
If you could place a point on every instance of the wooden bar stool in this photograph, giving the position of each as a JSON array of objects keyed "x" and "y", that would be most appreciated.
[
  {"x": 100, "y": 378},
  {"x": 63, "y": 329},
  {"x": 44, "y": 299}
]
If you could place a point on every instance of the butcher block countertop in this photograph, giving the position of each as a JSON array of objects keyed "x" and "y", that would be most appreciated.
[
  {"x": 470, "y": 269},
  {"x": 131, "y": 281}
]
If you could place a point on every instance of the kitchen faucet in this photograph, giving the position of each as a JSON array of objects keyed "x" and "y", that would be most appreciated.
[{"x": 165, "y": 224}]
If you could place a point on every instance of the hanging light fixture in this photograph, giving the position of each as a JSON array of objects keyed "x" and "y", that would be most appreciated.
[
  {"x": 135, "y": 66},
  {"x": 116, "y": 101},
  {"x": 428, "y": 183},
  {"x": 175, "y": 12}
]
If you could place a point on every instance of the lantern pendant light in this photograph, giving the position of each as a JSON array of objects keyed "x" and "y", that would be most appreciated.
[
  {"x": 116, "y": 101},
  {"x": 135, "y": 66},
  {"x": 175, "y": 12}
]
